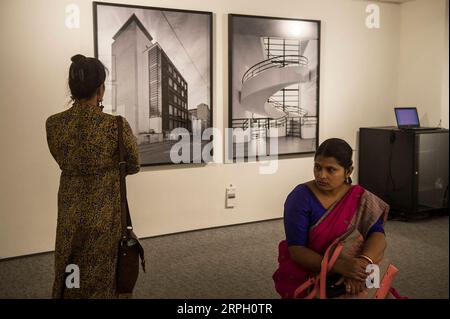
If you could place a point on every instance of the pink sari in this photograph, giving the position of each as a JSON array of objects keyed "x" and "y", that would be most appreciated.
[{"x": 357, "y": 208}]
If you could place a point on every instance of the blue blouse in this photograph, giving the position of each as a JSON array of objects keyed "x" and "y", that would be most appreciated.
[{"x": 302, "y": 209}]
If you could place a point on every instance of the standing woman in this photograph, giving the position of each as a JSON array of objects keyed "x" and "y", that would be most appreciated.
[{"x": 84, "y": 142}]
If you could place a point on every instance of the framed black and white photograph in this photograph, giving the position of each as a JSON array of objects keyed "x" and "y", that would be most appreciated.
[
  {"x": 160, "y": 75},
  {"x": 274, "y": 73}
]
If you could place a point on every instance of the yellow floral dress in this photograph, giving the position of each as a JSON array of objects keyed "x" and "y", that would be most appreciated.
[{"x": 83, "y": 141}]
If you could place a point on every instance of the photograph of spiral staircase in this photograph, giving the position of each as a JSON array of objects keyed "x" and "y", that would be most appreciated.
[{"x": 274, "y": 85}]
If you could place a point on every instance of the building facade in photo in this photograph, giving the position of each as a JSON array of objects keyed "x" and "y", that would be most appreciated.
[{"x": 150, "y": 92}]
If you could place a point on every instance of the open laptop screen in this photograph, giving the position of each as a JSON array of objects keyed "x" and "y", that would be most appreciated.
[{"x": 407, "y": 117}]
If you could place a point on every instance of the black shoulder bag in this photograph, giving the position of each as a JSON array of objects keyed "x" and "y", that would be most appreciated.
[{"x": 130, "y": 249}]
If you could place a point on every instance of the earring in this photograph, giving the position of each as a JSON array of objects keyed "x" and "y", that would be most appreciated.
[
  {"x": 348, "y": 180},
  {"x": 100, "y": 104}
]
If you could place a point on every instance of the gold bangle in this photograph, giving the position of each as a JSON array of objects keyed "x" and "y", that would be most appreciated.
[{"x": 367, "y": 258}]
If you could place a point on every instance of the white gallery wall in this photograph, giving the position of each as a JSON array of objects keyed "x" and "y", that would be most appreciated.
[
  {"x": 363, "y": 76},
  {"x": 423, "y": 63}
]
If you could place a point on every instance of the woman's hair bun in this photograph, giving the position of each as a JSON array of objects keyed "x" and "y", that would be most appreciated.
[
  {"x": 85, "y": 76},
  {"x": 78, "y": 58}
]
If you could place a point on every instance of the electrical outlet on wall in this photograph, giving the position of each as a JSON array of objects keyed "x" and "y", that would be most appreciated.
[{"x": 230, "y": 196}]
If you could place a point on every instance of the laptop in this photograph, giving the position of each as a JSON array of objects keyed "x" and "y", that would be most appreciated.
[{"x": 408, "y": 119}]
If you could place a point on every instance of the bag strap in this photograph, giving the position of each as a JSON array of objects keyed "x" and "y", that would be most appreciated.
[
  {"x": 319, "y": 281},
  {"x": 327, "y": 264},
  {"x": 125, "y": 212},
  {"x": 127, "y": 227}
]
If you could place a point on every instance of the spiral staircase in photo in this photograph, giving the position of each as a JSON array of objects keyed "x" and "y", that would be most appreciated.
[{"x": 259, "y": 85}]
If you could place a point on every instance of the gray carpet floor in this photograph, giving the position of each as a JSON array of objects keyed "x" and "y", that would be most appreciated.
[{"x": 238, "y": 262}]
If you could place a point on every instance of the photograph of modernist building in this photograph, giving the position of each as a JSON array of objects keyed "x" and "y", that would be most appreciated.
[
  {"x": 160, "y": 73},
  {"x": 274, "y": 84}
]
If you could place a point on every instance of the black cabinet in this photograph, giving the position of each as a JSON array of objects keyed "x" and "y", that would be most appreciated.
[{"x": 407, "y": 169}]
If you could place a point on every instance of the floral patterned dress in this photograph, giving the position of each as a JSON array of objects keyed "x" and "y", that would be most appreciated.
[{"x": 83, "y": 141}]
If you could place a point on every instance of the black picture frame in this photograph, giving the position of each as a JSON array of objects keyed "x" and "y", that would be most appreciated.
[
  {"x": 248, "y": 34},
  {"x": 168, "y": 103}
]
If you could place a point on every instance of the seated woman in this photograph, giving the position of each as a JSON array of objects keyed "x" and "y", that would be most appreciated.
[{"x": 318, "y": 212}]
